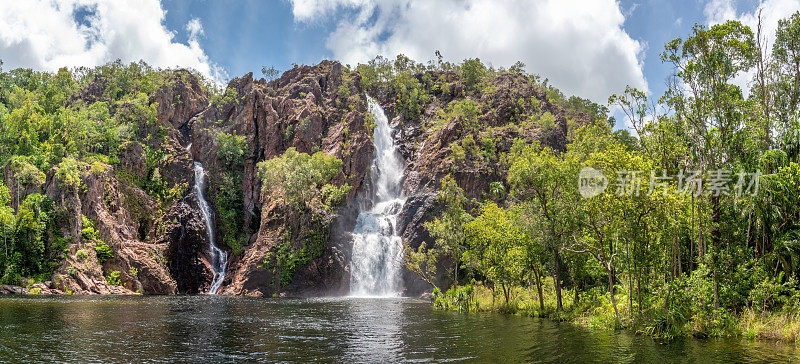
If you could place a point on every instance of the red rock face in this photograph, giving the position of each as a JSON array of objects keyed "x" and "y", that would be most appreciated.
[
  {"x": 117, "y": 208},
  {"x": 312, "y": 109},
  {"x": 160, "y": 247}
]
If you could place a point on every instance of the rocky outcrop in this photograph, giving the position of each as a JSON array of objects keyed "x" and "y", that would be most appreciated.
[
  {"x": 144, "y": 209},
  {"x": 179, "y": 99},
  {"x": 419, "y": 209},
  {"x": 117, "y": 210},
  {"x": 319, "y": 108},
  {"x": 183, "y": 232}
]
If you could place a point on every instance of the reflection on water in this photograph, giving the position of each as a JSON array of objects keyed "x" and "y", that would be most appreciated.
[
  {"x": 348, "y": 330},
  {"x": 374, "y": 329}
]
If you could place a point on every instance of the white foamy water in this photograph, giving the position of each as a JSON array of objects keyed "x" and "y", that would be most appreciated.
[
  {"x": 219, "y": 258},
  {"x": 377, "y": 257}
]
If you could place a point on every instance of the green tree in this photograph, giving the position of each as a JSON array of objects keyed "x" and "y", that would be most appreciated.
[
  {"x": 713, "y": 108},
  {"x": 473, "y": 71},
  {"x": 303, "y": 180},
  {"x": 231, "y": 149},
  {"x": 422, "y": 262},
  {"x": 449, "y": 228},
  {"x": 544, "y": 178},
  {"x": 496, "y": 247}
]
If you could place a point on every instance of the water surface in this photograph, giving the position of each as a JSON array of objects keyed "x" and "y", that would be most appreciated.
[{"x": 343, "y": 330}]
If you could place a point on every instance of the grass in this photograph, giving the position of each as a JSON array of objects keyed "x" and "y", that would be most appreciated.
[
  {"x": 780, "y": 326},
  {"x": 593, "y": 310}
]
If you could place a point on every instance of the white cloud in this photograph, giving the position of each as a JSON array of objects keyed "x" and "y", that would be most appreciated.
[
  {"x": 47, "y": 35},
  {"x": 720, "y": 11},
  {"x": 580, "y": 46},
  {"x": 195, "y": 29},
  {"x": 305, "y": 10}
]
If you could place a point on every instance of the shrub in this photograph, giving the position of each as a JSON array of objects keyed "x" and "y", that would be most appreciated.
[
  {"x": 81, "y": 255},
  {"x": 113, "y": 278},
  {"x": 231, "y": 149},
  {"x": 103, "y": 251},
  {"x": 287, "y": 259},
  {"x": 460, "y": 298},
  {"x": 458, "y": 152},
  {"x": 301, "y": 177},
  {"x": 473, "y": 71},
  {"x": 88, "y": 232},
  {"x": 465, "y": 111},
  {"x": 69, "y": 172}
]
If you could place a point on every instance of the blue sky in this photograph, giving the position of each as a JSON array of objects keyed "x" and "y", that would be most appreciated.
[
  {"x": 590, "y": 48},
  {"x": 241, "y": 36}
]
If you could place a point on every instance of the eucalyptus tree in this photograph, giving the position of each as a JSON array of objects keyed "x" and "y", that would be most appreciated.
[
  {"x": 449, "y": 229},
  {"x": 706, "y": 99},
  {"x": 496, "y": 247},
  {"x": 542, "y": 176},
  {"x": 786, "y": 66}
]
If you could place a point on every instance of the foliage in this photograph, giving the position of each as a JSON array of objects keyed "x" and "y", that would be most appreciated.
[
  {"x": 651, "y": 252},
  {"x": 303, "y": 180},
  {"x": 231, "y": 149},
  {"x": 287, "y": 258},
  {"x": 112, "y": 278},
  {"x": 459, "y": 298},
  {"x": 228, "y": 196},
  {"x": 270, "y": 73},
  {"x": 449, "y": 229},
  {"x": 496, "y": 250},
  {"x": 473, "y": 72},
  {"x": 89, "y": 233},
  {"x": 422, "y": 262},
  {"x": 75, "y": 121}
]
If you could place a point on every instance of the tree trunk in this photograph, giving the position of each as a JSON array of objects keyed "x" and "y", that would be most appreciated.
[
  {"x": 716, "y": 237},
  {"x": 455, "y": 273},
  {"x": 639, "y": 292},
  {"x": 611, "y": 291},
  {"x": 630, "y": 295},
  {"x": 539, "y": 288},
  {"x": 557, "y": 277},
  {"x": 763, "y": 86}
]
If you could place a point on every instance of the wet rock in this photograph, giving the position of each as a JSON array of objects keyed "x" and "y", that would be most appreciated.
[
  {"x": 183, "y": 232},
  {"x": 11, "y": 289},
  {"x": 418, "y": 210}
]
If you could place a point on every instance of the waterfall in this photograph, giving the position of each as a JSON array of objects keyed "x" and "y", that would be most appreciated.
[
  {"x": 377, "y": 256},
  {"x": 219, "y": 258}
]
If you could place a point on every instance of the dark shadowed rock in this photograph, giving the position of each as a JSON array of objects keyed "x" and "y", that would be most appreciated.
[{"x": 183, "y": 231}]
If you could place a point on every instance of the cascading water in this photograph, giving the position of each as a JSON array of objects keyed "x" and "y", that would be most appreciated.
[
  {"x": 377, "y": 249},
  {"x": 219, "y": 258}
]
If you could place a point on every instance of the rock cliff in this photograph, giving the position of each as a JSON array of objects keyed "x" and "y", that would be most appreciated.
[{"x": 127, "y": 236}]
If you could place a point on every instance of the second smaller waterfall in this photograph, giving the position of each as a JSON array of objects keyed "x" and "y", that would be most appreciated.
[{"x": 219, "y": 258}]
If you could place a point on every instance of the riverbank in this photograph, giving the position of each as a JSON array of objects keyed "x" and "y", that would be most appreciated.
[
  {"x": 593, "y": 310},
  {"x": 38, "y": 288}
]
